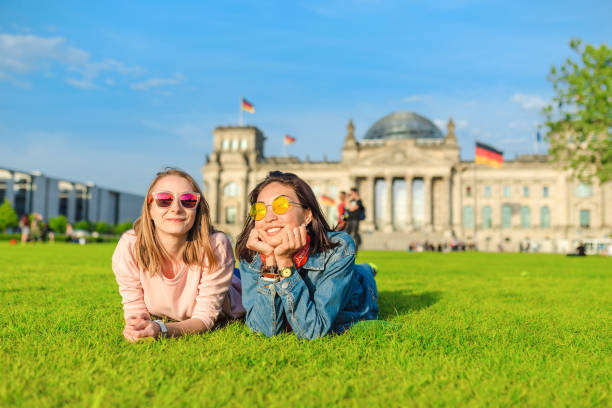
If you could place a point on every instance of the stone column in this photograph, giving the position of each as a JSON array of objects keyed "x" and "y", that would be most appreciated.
[
  {"x": 368, "y": 200},
  {"x": 388, "y": 225},
  {"x": 214, "y": 199},
  {"x": 243, "y": 203},
  {"x": 409, "y": 226},
  {"x": 427, "y": 197},
  {"x": 457, "y": 215}
]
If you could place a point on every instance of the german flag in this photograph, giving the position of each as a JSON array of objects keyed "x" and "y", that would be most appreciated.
[
  {"x": 247, "y": 106},
  {"x": 486, "y": 154},
  {"x": 289, "y": 139},
  {"x": 327, "y": 200}
]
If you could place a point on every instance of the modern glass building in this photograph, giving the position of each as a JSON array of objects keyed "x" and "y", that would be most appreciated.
[{"x": 33, "y": 192}]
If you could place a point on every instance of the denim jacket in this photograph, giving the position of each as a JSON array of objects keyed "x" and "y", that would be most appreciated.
[{"x": 328, "y": 294}]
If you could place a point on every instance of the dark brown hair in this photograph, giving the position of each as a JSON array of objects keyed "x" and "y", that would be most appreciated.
[
  {"x": 317, "y": 228},
  {"x": 148, "y": 252}
]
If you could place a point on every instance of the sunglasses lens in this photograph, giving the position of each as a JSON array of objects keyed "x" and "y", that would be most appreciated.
[
  {"x": 257, "y": 211},
  {"x": 189, "y": 200},
  {"x": 164, "y": 200},
  {"x": 280, "y": 205}
]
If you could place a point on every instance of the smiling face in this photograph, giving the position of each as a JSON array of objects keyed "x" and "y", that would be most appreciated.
[
  {"x": 272, "y": 224},
  {"x": 175, "y": 220}
]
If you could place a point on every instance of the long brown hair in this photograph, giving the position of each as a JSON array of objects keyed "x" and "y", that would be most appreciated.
[
  {"x": 317, "y": 228},
  {"x": 149, "y": 253}
]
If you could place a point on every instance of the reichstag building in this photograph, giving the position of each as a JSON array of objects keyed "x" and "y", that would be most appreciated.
[{"x": 416, "y": 189}]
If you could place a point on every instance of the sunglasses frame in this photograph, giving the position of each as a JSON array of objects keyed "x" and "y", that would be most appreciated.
[
  {"x": 251, "y": 208},
  {"x": 175, "y": 196}
]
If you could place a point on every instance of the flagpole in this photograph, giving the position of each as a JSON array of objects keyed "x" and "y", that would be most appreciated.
[
  {"x": 284, "y": 148},
  {"x": 240, "y": 113}
]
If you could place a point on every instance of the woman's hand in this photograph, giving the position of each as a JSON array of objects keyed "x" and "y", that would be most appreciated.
[
  {"x": 139, "y": 327},
  {"x": 293, "y": 240},
  {"x": 257, "y": 244}
]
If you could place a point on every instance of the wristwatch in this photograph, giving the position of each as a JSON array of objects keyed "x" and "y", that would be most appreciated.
[
  {"x": 163, "y": 328},
  {"x": 286, "y": 271}
]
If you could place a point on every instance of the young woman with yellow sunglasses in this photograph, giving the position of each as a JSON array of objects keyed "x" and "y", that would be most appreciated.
[{"x": 297, "y": 274}]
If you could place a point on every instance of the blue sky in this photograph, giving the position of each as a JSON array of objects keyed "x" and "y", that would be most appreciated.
[{"x": 112, "y": 92}]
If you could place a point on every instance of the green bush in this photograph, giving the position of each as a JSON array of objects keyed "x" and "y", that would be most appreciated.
[
  {"x": 82, "y": 225},
  {"x": 102, "y": 227},
  {"x": 122, "y": 227},
  {"x": 8, "y": 216},
  {"x": 58, "y": 224},
  {"x": 8, "y": 237}
]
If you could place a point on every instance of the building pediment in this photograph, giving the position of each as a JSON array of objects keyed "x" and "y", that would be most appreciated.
[{"x": 394, "y": 157}]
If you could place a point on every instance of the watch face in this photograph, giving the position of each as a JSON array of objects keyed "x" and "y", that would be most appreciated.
[{"x": 286, "y": 272}]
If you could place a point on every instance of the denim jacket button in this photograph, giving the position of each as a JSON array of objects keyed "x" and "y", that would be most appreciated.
[{"x": 285, "y": 285}]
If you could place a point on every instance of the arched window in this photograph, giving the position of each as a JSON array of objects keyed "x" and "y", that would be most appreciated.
[
  {"x": 506, "y": 213},
  {"x": 545, "y": 217},
  {"x": 225, "y": 144},
  {"x": 230, "y": 189},
  {"x": 243, "y": 144},
  {"x": 525, "y": 217},
  {"x": 235, "y": 144},
  {"x": 230, "y": 215},
  {"x": 468, "y": 217},
  {"x": 487, "y": 217},
  {"x": 585, "y": 218}
]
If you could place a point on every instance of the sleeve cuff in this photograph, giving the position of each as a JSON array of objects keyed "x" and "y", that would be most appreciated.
[{"x": 285, "y": 286}]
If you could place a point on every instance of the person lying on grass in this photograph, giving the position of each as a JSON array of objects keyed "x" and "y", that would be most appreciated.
[
  {"x": 297, "y": 274},
  {"x": 174, "y": 265}
]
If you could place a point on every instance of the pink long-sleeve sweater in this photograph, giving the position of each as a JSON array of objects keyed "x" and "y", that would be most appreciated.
[{"x": 194, "y": 292}]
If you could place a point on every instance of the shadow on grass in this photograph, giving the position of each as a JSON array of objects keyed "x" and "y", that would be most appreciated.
[{"x": 394, "y": 302}]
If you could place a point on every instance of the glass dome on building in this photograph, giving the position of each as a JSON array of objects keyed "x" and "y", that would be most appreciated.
[{"x": 403, "y": 125}]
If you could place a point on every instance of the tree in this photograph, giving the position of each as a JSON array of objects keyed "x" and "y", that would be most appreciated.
[
  {"x": 58, "y": 224},
  {"x": 82, "y": 225},
  {"x": 122, "y": 227},
  {"x": 103, "y": 227},
  {"x": 580, "y": 117},
  {"x": 8, "y": 216}
]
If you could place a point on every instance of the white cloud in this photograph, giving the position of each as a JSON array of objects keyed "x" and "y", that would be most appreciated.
[
  {"x": 157, "y": 82},
  {"x": 14, "y": 81},
  {"x": 528, "y": 101},
  {"x": 80, "y": 83},
  {"x": 22, "y": 54},
  {"x": 440, "y": 123},
  {"x": 461, "y": 123},
  {"x": 415, "y": 98}
]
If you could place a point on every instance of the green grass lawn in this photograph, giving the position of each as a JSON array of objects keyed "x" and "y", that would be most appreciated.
[{"x": 458, "y": 329}]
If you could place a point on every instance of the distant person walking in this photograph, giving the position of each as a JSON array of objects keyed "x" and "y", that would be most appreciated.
[
  {"x": 175, "y": 272},
  {"x": 342, "y": 212},
  {"x": 356, "y": 213},
  {"x": 24, "y": 225}
]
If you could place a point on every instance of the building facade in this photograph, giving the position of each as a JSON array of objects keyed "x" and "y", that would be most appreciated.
[
  {"x": 415, "y": 188},
  {"x": 32, "y": 192}
]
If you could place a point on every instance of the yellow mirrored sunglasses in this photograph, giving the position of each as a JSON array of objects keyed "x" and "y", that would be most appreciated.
[{"x": 280, "y": 205}]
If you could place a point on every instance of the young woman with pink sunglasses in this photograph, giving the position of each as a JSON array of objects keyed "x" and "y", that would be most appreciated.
[{"x": 175, "y": 272}]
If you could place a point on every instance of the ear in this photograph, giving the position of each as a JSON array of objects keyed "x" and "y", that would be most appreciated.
[{"x": 307, "y": 216}]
